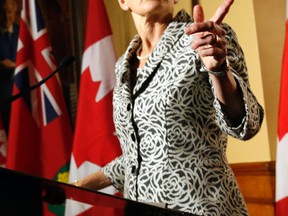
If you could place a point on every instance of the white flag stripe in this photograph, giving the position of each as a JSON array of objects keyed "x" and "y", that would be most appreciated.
[
  {"x": 74, "y": 207},
  {"x": 98, "y": 58},
  {"x": 282, "y": 168},
  {"x": 85, "y": 169}
]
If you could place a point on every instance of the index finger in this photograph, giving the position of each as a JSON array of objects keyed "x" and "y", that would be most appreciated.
[{"x": 221, "y": 12}]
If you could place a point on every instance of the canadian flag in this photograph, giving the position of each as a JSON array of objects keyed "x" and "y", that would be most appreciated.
[
  {"x": 282, "y": 145},
  {"x": 95, "y": 143}
]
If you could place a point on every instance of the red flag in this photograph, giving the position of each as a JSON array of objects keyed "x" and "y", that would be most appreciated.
[
  {"x": 95, "y": 143},
  {"x": 3, "y": 143},
  {"x": 282, "y": 145},
  {"x": 40, "y": 136}
]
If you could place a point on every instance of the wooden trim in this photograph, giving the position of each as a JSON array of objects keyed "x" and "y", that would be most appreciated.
[
  {"x": 257, "y": 184},
  {"x": 257, "y": 167}
]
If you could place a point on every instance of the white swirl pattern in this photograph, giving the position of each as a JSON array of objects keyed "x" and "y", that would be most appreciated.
[{"x": 180, "y": 158}]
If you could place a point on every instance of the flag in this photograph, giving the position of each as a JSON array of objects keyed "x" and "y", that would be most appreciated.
[
  {"x": 3, "y": 143},
  {"x": 40, "y": 135},
  {"x": 282, "y": 139},
  {"x": 95, "y": 143}
]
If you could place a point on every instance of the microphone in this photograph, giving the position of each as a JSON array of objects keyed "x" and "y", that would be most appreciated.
[{"x": 65, "y": 62}]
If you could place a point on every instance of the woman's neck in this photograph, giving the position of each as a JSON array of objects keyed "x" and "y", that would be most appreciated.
[{"x": 150, "y": 32}]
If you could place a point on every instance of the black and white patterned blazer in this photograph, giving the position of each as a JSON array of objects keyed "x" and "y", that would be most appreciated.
[{"x": 172, "y": 130}]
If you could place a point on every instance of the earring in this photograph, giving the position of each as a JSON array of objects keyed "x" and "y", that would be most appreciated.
[{"x": 126, "y": 5}]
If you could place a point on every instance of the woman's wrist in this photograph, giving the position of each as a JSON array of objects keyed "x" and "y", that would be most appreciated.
[
  {"x": 94, "y": 181},
  {"x": 222, "y": 71}
]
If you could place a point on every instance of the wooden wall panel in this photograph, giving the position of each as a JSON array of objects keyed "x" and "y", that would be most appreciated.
[{"x": 257, "y": 184}]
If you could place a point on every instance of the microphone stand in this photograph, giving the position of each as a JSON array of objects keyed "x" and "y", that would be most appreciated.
[{"x": 63, "y": 63}]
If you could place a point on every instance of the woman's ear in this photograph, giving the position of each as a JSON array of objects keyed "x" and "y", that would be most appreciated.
[
  {"x": 124, "y": 5},
  {"x": 176, "y": 1}
]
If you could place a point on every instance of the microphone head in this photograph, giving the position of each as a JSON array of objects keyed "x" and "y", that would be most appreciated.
[{"x": 66, "y": 61}]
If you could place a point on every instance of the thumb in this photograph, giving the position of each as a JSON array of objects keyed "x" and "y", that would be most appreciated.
[
  {"x": 221, "y": 12},
  {"x": 198, "y": 13}
]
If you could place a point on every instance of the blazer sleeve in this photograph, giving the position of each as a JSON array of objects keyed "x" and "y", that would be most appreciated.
[
  {"x": 252, "y": 121},
  {"x": 115, "y": 172}
]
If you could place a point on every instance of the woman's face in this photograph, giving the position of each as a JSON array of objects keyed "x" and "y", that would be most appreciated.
[
  {"x": 7, "y": 15},
  {"x": 151, "y": 7}
]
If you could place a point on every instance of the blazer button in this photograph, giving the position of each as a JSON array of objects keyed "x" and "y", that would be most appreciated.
[
  {"x": 129, "y": 107},
  {"x": 133, "y": 169},
  {"x": 133, "y": 137}
]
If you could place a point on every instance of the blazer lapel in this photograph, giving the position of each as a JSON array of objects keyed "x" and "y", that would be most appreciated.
[{"x": 170, "y": 37}]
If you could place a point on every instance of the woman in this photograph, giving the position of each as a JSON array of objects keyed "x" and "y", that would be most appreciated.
[{"x": 182, "y": 88}]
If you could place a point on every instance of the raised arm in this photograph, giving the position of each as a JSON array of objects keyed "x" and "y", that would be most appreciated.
[{"x": 210, "y": 43}]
